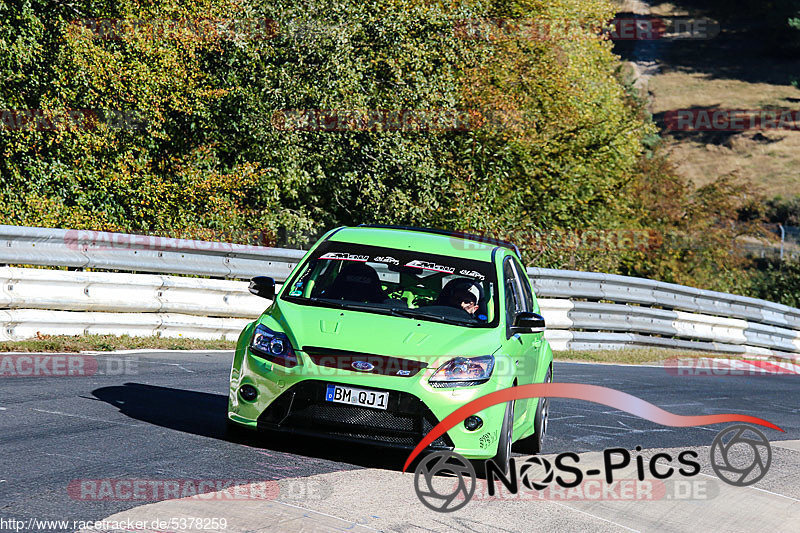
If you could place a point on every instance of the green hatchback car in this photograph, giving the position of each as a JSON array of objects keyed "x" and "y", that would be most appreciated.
[{"x": 382, "y": 331}]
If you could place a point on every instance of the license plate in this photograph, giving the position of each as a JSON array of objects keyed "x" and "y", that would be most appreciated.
[{"x": 354, "y": 396}]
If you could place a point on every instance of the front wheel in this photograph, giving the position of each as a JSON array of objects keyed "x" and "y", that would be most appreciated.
[
  {"x": 506, "y": 437},
  {"x": 535, "y": 443},
  {"x": 236, "y": 432}
]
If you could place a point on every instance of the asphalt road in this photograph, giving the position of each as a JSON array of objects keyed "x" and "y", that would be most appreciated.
[{"x": 162, "y": 417}]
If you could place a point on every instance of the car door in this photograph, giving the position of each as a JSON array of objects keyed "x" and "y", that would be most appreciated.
[
  {"x": 534, "y": 340},
  {"x": 520, "y": 347}
]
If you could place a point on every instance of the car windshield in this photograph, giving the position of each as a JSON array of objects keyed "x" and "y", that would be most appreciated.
[{"x": 403, "y": 283}]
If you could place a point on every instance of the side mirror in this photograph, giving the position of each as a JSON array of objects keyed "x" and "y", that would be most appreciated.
[
  {"x": 527, "y": 322},
  {"x": 263, "y": 286}
]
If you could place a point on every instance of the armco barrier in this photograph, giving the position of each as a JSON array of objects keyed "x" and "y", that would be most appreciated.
[
  {"x": 583, "y": 310},
  {"x": 549, "y": 283},
  {"x": 32, "y": 288},
  {"x": 26, "y": 323},
  {"x": 141, "y": 253}
]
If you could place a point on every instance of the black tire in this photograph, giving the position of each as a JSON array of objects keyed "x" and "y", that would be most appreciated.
[
  {"x": 506, "y": 438},
  {"x": 535, "y": 443},
  {"x": 236, "y": 432}
]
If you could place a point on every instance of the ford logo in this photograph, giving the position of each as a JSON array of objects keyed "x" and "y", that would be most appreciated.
[{"x": 362, "y": 366}]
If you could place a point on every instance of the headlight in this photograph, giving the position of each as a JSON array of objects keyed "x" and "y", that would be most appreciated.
[
  {"x": 273, "y": 346},
  {"x": 463, "y": 372}
]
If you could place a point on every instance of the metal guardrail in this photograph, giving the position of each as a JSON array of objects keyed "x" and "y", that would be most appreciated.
[
  {"x": 549, "y": 283},
  {"x": 142, "y": 253},
  {"x": 58, "y": 302},
  {"x": 60, "y": 290},
  {"x": 21, "y": 324},
  {"x": 582, "y": 325},
  {"x": 583, "y": 310}
]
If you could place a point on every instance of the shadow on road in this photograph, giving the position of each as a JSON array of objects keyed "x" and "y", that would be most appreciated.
[
  {"x": 200, "y": 413},
  {"x": 203, "y": 413}
]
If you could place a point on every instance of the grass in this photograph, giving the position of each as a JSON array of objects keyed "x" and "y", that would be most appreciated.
[
  {"x": 632, "y": 356},
  {"x": 641, "y": 356},
  {"x": 766, "y": 159},
  {"x": 102, "y": 343},
  {"x": 737, "y": 69}
]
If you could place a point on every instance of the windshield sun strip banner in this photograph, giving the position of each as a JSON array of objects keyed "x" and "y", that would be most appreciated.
[{"x": 344, "y": 256}]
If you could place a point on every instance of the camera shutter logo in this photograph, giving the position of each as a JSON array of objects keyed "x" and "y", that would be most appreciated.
[
  {"x": 525, "y": 473},
  {"x": 462, "y": 475},
  {"x": 732, "y": 443}
]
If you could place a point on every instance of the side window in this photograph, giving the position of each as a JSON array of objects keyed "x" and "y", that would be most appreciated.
[
  {"x": 526, "y": 286},
  {"x": 514, "y": 299}
]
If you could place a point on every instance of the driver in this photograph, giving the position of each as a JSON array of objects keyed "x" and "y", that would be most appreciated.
[{"x": 464, "y": 296}]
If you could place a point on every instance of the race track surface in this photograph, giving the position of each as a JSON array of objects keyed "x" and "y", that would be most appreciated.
[{"x": 164, "y": 419}]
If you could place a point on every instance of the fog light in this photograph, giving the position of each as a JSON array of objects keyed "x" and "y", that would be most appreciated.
[
  {"x": 473, "y": 423},
  {"x": 248, "y": 393}
]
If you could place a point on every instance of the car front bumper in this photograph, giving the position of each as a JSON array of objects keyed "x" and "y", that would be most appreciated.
[{"x": 293, "y": 400}]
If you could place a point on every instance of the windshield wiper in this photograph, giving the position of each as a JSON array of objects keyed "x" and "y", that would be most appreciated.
[
  {"x": 422, "y": 315},
  {"x": 411, "y": 313},
  {"x": 356, "y": 306}
]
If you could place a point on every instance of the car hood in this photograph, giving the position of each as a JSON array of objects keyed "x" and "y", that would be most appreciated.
[{"x": 372, "y": 333}]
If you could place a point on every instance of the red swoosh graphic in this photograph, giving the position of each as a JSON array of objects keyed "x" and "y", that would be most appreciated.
[{"x": 577, "y": 391}]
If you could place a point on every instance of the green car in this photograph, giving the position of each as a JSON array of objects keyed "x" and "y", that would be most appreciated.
[{"x": 382, "y": 331}]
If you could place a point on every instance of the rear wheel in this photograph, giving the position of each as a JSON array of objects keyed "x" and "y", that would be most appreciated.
[
  {"x": 535, "y": 443},
  {"x": 506, "y": 437}
]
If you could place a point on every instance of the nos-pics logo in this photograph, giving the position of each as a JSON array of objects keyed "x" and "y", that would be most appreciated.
[{"x": 445, "y": 481}]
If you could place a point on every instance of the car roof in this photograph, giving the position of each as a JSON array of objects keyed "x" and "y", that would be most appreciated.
[{"x": 424, "y": 240}]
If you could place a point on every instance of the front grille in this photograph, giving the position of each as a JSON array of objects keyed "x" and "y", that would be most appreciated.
[
  {"x": 302, "y": 408},
  {"x": 355, "y": 416},
  {"x": 381, "y": 364}
]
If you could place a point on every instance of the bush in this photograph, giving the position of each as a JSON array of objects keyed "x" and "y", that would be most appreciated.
[
  {"x": 553, "y": 141},
  {"x": 777, "y": 281},
  {"x": 208, "y": 154},
  {"x": 784, "y": 211}
]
